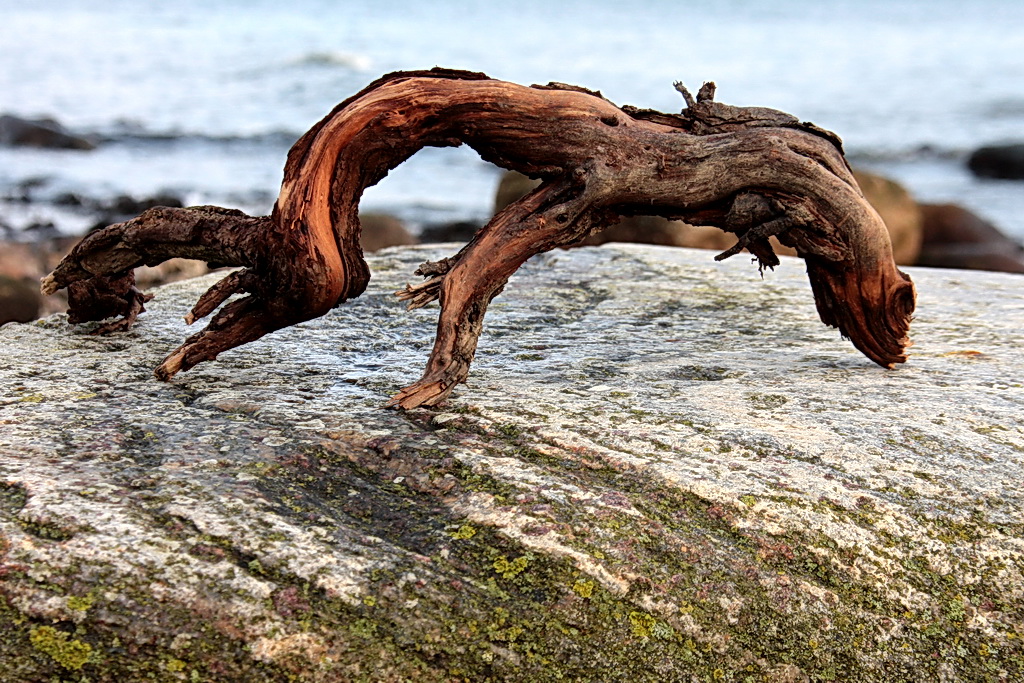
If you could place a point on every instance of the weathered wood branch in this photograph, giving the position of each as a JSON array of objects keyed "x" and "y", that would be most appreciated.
[{"x": 751, "y": 171}]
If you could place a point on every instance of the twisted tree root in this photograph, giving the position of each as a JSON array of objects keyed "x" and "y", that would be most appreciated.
[{"x": 751, "y": 171}]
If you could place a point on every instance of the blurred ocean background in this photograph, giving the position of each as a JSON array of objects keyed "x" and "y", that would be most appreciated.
[{"x": 203, "y": 98}]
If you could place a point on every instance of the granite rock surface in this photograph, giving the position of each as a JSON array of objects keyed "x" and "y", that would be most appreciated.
[{"x": 662, "y": 468}]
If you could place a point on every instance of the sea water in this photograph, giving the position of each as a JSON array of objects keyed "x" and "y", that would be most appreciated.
[{"x": 204, "y": 97}]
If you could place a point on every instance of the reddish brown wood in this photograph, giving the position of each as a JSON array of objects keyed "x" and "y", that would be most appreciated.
[{"x": 751, "y": 171}]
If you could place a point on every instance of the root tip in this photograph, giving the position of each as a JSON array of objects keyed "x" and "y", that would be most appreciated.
[
  {"x": 170, "y": 367},
  {"x": 48, "y": 285}
]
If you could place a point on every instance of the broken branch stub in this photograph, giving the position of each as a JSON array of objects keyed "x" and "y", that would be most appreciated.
[{"x": 751, "y": 171}]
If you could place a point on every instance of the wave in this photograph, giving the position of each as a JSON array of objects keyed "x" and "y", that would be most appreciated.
[
  {"x": 333, "y": 58},
  {"x": 135, "y": 134},
  {"x": 1009, "y": 108},
  {"x": 129, "y": 130},
  {"x": 319, "y": 61},
  {"x": 916, "y": 153}
]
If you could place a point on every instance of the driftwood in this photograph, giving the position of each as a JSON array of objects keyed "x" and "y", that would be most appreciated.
[{"x": 751, "y": 171}]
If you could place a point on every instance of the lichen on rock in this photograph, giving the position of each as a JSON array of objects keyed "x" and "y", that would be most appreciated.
[{"x": 662, "y": 468}]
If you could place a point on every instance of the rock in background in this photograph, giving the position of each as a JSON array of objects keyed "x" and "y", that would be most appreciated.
[
  {"x": 23, "y": 264},
  {"x": 20, "y": 301},
  {"x": 381, "y": 230},
  {"x": 662, "y": 469},
  {"x": 956, "y": 238},
  {"x": 21, "y": 132},
  {"x": 894, "y": 204},
  {"x": 998, "y": 161}
]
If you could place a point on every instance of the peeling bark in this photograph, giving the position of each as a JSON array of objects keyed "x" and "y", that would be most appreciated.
[{"x": 751, "y": 171}]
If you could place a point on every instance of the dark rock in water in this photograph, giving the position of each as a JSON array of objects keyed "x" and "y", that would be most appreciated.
[
  {"x": 19, "y": 300},
  {"x": 459, "y": 231},
  {"x": 19, "y": 132},
  {"x": 70, "y": 199},
  {"x": 998, "y": 161},
  {"x": 41, "y": 229},
  {"x": 24, "y": 190},
  {"x": 124, "y": 207},
  {"x": 381, "y": 230},
  {"x": 33, "y": 183},
  {"x": 957, "y": 238},
  {"x": 127, "y": 205}
]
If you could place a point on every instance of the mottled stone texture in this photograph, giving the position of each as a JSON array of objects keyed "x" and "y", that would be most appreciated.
[{"x": 662, "y": 469}]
